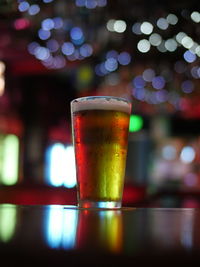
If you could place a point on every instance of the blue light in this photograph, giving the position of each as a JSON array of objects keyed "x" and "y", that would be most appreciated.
[
  {"x": 43, "y": 34},
  {"x": 86, "y": 50},
  {"x": 58, "y": 22},
  {"x": 79, "y": 41},
  {"x": 33, "y": 10},
  {"x": 68, "y": 48},
  {"x": 139, "y": 93},
  {"x": 124, "y": 58},
  {"x": 98, "y": 70},
  {"x": 90, "y": 4},
  {"x": 52, "y": 45},
  {"x": 158, "y": 82},
  {"x": 23, "y": 6},
  {"x": 61, "y": 227},
  {"x": 76, "y": 33},
  {"x": 111, "y": 64},
  {"x": 103, "y": 70},
  {"x": 80, "y": 3},
  {"x": 42, "y": 53},
  {"x": 47, "y": 1},
  {"x": 139, "y": 82},
  {"x": 47, "y": 24},
  {"x": 187, "y": 86},
  {"x": 112, "y": 54},
  {"x": 189, "y": 56},
  {"x": 32, "y": 46},
  {"x": 136, "y": 28},
  {"x": 60, "y": 168}
]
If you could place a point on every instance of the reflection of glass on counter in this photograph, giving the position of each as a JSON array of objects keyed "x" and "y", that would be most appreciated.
[
  {"x": 61, "y": 227},
  {"x": 178, "y": 228},
  {"x": 100, "y": 230},
  {"x": 8, "y": 220}
]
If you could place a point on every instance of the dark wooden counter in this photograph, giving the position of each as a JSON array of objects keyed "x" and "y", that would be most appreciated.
[{"x": 58, "y": 235}]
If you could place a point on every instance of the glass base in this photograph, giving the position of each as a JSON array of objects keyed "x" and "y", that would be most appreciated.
[{"x": 85, "y": 204}]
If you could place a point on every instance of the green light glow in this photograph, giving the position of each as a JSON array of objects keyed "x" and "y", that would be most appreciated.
[
  {"x": 8, "y": 217},
  {"x": 136, "y": 123},
  {"x": 9, "y": 160}
]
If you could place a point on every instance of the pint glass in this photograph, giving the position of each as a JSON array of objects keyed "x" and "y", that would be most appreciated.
[{"x": 100, "y": 127}]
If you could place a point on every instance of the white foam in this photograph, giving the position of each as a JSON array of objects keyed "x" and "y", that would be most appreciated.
[{"x": 99, "y": 103}]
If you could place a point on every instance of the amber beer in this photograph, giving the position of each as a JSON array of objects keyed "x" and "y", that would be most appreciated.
[{"x": 100, "y": 134}]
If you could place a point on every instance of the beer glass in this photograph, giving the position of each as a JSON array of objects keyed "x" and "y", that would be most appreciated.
[{"x": 100, "y": 126}]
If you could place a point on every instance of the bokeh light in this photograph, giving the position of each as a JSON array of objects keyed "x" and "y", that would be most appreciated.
[
  {"x": 139, "y": 82},
  {"x": 119, "y": 26},
  {"x": 162, "y": 23},
  {"x": 148, "y": 75},
  {"x": 172, "y": 19},
  {"x": 155, "y": 39},
  {"x": 146, "y": 27},
  {"x": 171, "y": 45},
  {"x": 33, "y": 10},
  {"x": 189, "y": 56},
  {"x": 143, "y": 46},
  {"x": 136, "y": 28},
  {"x": 23, "y": 6},
  {"x": 187, "y": 154},
  {"x": 169, "y": 152},
  {"x": 68, "y": 48},
  {"x": 158, "y": 82},
  {"x": 124, "y": 58},
  {"x": 195, "y": 16},
  {"x": 187, "y": 86}
]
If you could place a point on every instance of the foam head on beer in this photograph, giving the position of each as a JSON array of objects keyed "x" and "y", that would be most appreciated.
[
  {"x": 101, "y": 103},
  {"x": 100, "y": 128}
]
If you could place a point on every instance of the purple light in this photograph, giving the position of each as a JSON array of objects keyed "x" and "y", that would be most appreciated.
[
  {"x": 194, "y": 72},
  {"x": 158, "y": 82},
  {"x": 148, "y": 75},
  {"x": 139, "y": 82},
  {"x": 187, "y": 86},
  {"x": 139, "y": 93},
  {"x": 58, "y": 22},
  {"x": 101, "y": 3},
  {"x": 59, "y": 62},
  {"x": 189, "y": 56},
  {"x": 124, "y": 58},
  {"x": 52, "y": 45},
  {"x": 86, "y": 50},
  {"x": 162, "y": 95}
]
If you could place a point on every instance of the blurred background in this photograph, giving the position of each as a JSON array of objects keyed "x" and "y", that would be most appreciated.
[{"x": 54, "y": 51}]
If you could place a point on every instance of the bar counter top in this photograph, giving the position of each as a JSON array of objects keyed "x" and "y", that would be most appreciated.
[{"x": 61, "y": 235}]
